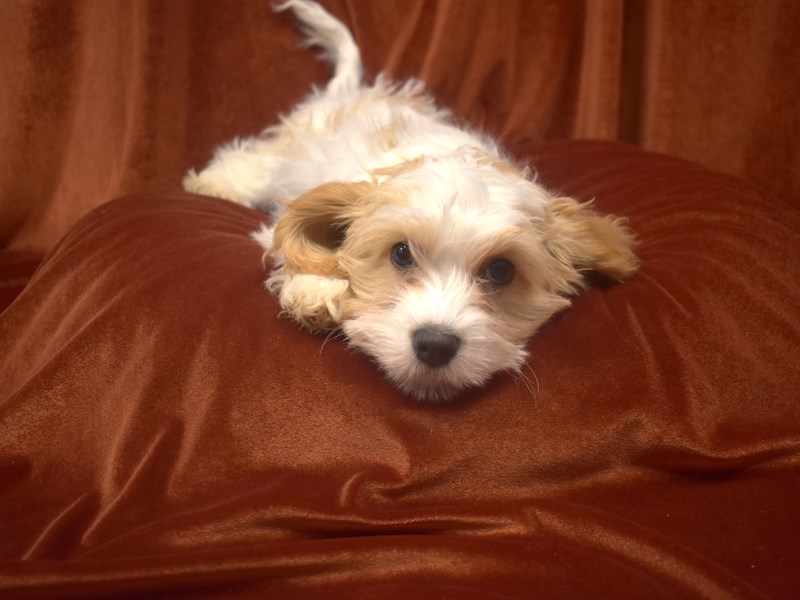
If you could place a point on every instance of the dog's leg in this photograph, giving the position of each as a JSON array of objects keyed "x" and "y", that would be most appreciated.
[
  {"x": 242, "y": 171},
  {"x": 247, "y": 171},
  {"x": 264, "y": 235}
]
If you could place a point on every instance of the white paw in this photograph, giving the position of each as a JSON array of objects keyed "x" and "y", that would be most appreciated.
[
  {"x": 264, "y": 236},
  {"x": 314, "y": 302},
  {"x": 205, "y": 186}
]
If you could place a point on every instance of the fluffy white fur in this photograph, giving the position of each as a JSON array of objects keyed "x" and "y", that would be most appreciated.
[{"x": 432, "y": 251}]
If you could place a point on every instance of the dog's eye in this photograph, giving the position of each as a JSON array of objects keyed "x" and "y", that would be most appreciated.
[
  {"x": 401, "y": 256},
  {"x": 499, "y": 272}
]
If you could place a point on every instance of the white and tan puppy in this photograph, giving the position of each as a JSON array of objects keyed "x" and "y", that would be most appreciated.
[{"x": 432, "y": 251}]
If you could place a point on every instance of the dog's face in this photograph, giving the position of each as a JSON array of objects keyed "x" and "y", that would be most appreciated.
[{"x": 440, "y": 269}]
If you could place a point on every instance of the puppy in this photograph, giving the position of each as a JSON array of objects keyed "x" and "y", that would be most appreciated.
[{"x": 430, "y": 248}]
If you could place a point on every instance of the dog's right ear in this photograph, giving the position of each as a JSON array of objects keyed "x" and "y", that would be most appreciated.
[
  {"x": 313, "y": 226},
  {"x": 311, "y": 286}
]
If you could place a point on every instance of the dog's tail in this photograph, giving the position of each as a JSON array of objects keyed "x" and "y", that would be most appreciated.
[{"x": 326, "y": 31}]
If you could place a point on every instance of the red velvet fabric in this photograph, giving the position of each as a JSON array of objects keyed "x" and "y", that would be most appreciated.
[
  {"x": 164, "y": 434},
  {"x": 16, "y": 268},
  {"x": 108, "y": 97}
]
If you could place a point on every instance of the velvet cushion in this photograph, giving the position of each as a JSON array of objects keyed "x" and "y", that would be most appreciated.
[{"x": 164, "y": 433}]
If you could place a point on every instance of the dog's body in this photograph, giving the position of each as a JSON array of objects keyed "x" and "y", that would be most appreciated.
[{"x": 433, "y": 252}]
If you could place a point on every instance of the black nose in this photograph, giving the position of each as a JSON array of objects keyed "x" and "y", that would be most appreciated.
[{"x": 435, "y": 347}]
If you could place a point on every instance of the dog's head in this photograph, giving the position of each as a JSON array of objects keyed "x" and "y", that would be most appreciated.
[{"x": 442, "y": 268}]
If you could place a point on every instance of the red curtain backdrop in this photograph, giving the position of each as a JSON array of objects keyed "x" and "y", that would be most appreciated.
[{"x": 105, "y": 97}]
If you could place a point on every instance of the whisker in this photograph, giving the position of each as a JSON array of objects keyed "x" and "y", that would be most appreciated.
[
  {"x": 530, "y": 383},
  {"x": 333, "y": 334}
]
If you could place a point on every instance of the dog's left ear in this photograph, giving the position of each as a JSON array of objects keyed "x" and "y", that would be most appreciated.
[
  {"x": 581, "y": 238},
  {"x": 312, "y": 228}
]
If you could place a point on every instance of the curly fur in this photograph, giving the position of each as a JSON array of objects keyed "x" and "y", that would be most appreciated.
[{"x": 357, "y": 169}]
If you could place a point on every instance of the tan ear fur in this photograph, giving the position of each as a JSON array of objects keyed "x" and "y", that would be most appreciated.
[
  {"x": 314, "y": 225},
  {"x": 580, "y": 237}
]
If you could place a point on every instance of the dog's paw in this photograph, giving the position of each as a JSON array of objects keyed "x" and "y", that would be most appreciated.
[
  {"x": 313, "y": 301},
  {"x": 264, "y": 235},
  {"x": 198, "y": 183}
]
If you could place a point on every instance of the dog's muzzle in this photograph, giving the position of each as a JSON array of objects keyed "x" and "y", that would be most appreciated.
[{"x": 435, "y": 347}]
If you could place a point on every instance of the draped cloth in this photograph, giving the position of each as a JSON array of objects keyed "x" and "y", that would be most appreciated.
[
  {"x": 105, "y": 97},
  {"x": 165, "y": 434}
]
